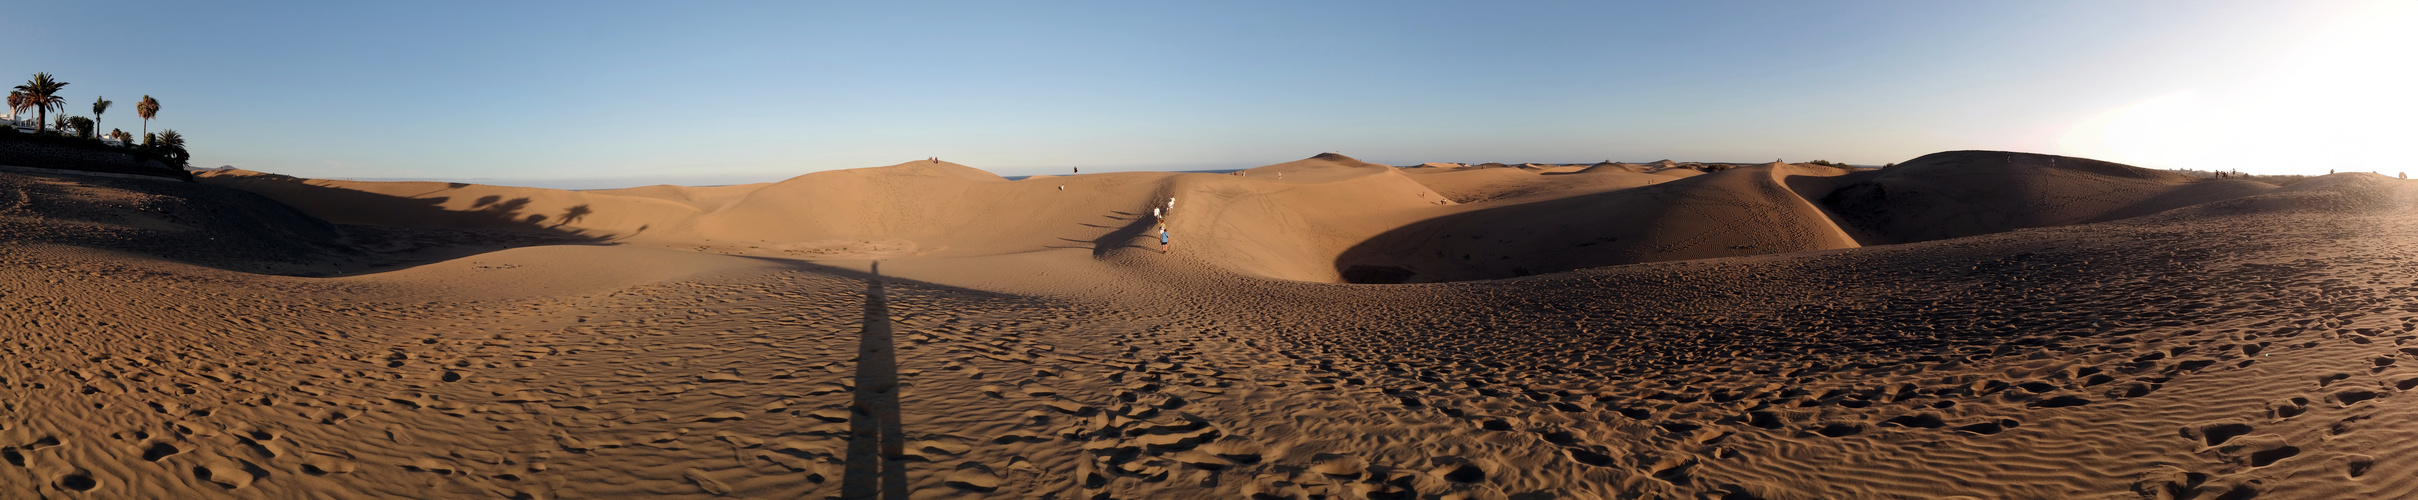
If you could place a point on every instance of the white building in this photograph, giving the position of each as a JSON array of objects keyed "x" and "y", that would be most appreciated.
[{"x": 22, "y": 125}]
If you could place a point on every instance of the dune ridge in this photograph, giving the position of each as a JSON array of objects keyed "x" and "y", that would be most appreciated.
[{"x": 1326, "y": 218}]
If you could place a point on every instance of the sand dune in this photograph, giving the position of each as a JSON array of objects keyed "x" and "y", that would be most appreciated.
[
  {"x": 1745, "y": 211},
  {"x": 1472, "y": 185},
  {"x": 1324, "y": 217},
  {"x": 1288, "y": 228},
  {"x": 196, "y": 224},
  {"x": 1965, "y": 193},
  {"x": 2034, "y": 327}
]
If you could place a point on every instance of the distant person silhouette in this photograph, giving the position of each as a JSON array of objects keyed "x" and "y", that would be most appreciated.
[{"x": 1162, "y": 237}]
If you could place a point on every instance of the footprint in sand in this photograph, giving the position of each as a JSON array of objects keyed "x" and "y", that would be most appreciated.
[
  {"x": 2355, "y": 465},
  {"x": 1992, "y": 427},
  {"x": 2349, "y": 397},
  {"x": 1840, "y": 429},
  {"x": 2288, "y": 408},
  {"x": 229, "y": 474},
  {"x": 1590, "y": 456},
  {"x": 2259, "y": 451},
  {"x": 2217, "y": 432},
  {"x": 972, "y": 476},
  {"x": 1462, "y": 470}
]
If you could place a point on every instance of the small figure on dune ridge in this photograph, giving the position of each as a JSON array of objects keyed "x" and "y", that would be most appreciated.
[{"x": 1162, "y": 237}]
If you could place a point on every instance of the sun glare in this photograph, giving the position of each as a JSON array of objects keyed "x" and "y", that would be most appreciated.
[{"x": 2340, "y": 102}]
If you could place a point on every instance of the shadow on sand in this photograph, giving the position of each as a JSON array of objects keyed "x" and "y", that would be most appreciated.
[
  {"x": 876, "y": 459},
  {"x": 1116, "y": 238},
  {"x": 420, "y": 210},
  {"x": 403, "y": 232},
  {"x": 877, "y": 444}
]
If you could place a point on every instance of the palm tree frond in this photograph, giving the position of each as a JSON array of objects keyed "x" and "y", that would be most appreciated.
[{"x": 42, "y": 93}]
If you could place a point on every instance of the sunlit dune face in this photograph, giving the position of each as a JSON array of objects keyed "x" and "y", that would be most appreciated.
[{"x": 2342, "y": 101}]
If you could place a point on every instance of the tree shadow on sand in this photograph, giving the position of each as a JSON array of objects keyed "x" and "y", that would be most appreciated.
[
  {"x": 1117, "y": 236},
  {"x": 418, "y": 230}
]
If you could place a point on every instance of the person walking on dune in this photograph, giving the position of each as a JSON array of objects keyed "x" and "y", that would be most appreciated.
[{"x": 1162, "y": 237}]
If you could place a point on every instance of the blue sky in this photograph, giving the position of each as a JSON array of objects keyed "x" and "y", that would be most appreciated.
[{"x": 624, "y": 93}]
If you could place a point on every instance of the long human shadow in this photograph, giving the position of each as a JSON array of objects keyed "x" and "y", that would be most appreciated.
[{"x": 876, "y": 444}]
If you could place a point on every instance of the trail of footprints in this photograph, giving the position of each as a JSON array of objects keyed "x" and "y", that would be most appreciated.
[{"x": 2125, "y": 352}]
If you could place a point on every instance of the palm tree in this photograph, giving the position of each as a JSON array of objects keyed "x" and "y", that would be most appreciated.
[
  {"x": 172, "y": 145},
  {"x": 99, "y": 105},
  {"x": 16, "y": 105},
  {"x": 42, "y": 93},
  {"x": 147, "y": 109}
]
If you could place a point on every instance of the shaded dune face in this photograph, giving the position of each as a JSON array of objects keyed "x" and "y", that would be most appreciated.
[
  {"x": 1966, "y": 193},
  {"x": 205, "y": 225},
  {"x": 1328, "y": 218},
  {"x": 1744, "y": 211}
]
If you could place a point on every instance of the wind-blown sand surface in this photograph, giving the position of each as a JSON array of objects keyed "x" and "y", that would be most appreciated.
[{"x": 1980, "y": 324}]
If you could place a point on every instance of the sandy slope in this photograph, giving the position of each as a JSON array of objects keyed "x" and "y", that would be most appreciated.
[
  {"x": 1744, "y": 211},
  {"x": 1964, "y": 193},
  {"x": 1288, "y": 228},
  {"x": 1326, "y": 218},
  {"x": 1470, "y": 185},
  {"x": 168, "y": 340}
]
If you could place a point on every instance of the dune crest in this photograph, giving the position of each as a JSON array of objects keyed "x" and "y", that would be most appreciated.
[{"x": 1325, "y": 218}]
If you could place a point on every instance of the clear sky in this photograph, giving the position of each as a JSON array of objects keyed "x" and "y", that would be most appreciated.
[{"x": 627, "y": 93}]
